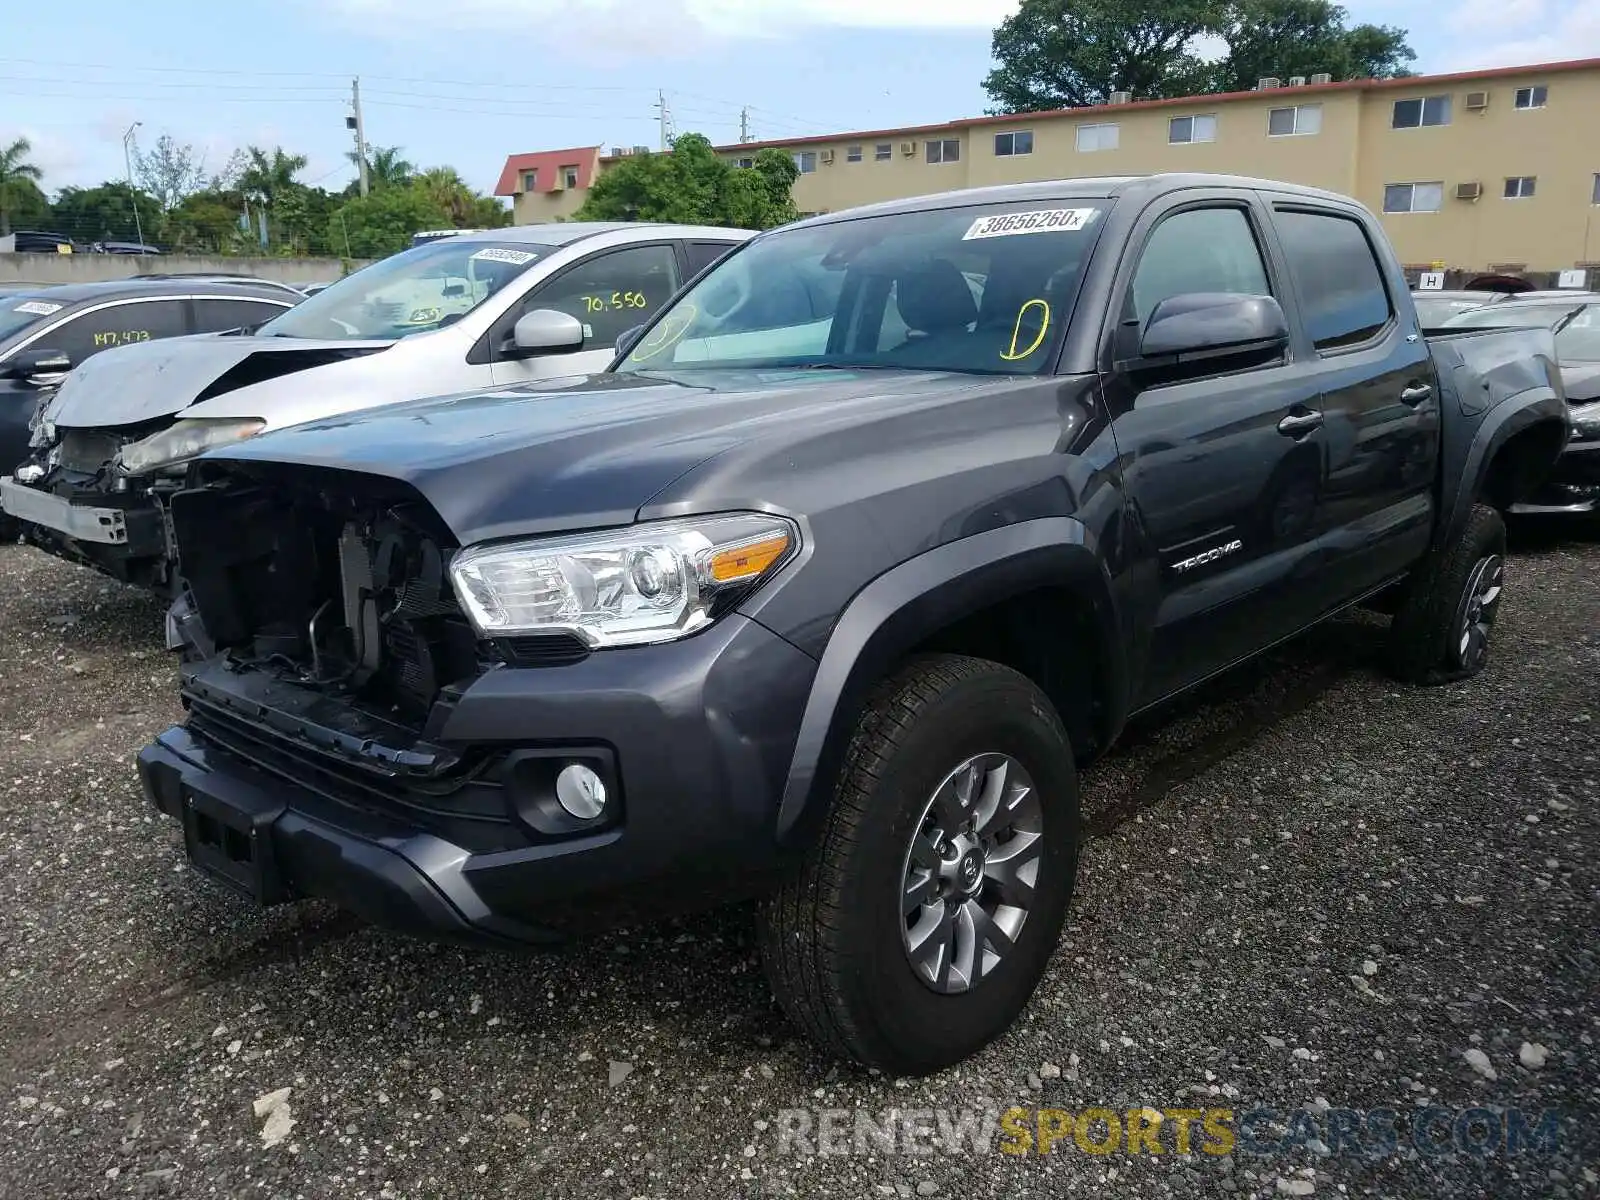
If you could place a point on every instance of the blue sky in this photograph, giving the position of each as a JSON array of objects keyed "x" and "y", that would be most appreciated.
[{"x": 469, "y": 81}]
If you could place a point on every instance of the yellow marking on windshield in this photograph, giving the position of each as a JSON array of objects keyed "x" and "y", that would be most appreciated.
[
  {"x": 1013, "y": 355},
  {"x": 665, "y": 335}
]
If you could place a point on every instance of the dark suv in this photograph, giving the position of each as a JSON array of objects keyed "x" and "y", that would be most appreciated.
[{"x": 824, "y": 601}]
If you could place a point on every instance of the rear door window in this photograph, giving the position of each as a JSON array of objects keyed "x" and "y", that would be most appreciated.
[
  {"x": 212, "y": 316},
  {"x": 1337, "y": 276},
  {"x": 702, "y": 254}
]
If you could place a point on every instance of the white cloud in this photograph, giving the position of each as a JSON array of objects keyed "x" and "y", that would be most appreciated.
[{"x": 1501, "y": 33}]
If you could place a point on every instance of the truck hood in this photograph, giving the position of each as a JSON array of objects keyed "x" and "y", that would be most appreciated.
[
  {"x": 134, "y": 384},
  {"x": 1581, "y": 381},
  {"x": 587, "y": 452}
]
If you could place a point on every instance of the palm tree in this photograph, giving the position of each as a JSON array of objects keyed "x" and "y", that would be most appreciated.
[
  {"x": 448, "y": 191},
  {"x": 385, "y": 167},
  {"x": 269, "y": 175},
  {"x": 15, "y": 170}
]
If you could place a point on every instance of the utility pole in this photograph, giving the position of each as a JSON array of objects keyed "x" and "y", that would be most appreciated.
[
  {"x": 665, "y": 115},
  {"x": 744, "y": 125},
  {"x": 354, "y": 122},
  {"x": 127, "y": 160}
]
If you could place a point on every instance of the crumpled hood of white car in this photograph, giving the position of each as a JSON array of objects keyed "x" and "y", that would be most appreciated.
[{"x": 138, "y": 383}]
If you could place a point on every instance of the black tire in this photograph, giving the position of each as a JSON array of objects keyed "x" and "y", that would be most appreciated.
[
  {"x": 1441, "y": 629},
  {"x": 832, "y": 935}
]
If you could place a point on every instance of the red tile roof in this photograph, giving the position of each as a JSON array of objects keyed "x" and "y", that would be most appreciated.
[{"x": 547, "y": 163}]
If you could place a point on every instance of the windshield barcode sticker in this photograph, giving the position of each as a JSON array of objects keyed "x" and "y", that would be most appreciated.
[
  {"x": 515, "y": 257},
  {"x": 1045, "y": 220},
  {"x": 37, "y": 308}
]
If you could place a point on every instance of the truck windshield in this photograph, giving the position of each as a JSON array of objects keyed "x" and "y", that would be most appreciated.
[
  {"x": 984, "y": 289},
  {"x": 424, "y": 288}
]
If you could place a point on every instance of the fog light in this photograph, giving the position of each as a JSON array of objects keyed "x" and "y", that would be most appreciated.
[{"x": 581, "y": 792}]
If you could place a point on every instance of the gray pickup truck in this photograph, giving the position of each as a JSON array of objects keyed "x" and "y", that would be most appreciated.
[{"x": 824, "y": 593}]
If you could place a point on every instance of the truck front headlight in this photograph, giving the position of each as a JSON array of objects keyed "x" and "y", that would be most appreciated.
[
  {"x": 655, "y": 582},
  {"x": 1586, "y": 419},
  {"x": 184, "y": 440}
]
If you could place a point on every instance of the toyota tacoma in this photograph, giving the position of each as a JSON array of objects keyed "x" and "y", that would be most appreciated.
[{"x": 825, "y": 591}]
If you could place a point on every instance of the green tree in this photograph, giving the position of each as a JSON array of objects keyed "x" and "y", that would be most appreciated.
[
  {"x": 694, "y": 186},
  {"x": 269, "y": 173},
  {"x": 105, "y": 214},
  {"x": 385, "y": 167},
  {"x": 170, "y": 170},
  {"x": 1075, "y": 53},
  {"x": 382, "y": 223},
  {"x": 1301, "y": 37},
  {"x": 19, "y": 181},
  {"x": 207, "y": 222}
]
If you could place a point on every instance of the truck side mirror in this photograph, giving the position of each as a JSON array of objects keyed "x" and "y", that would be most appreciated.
[
  {"x": 545, "y": 331},
  {"x": 1209, "y": 324},
  {"x": 39, "y": 368}
]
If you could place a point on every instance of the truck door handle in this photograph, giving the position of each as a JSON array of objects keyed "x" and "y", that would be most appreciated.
[
  {"x": 1298, "y": 424},
  {"x": 1416, "y": 393}
]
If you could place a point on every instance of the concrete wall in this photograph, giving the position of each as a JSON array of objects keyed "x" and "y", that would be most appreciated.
[{"x": 93, "y": 268}]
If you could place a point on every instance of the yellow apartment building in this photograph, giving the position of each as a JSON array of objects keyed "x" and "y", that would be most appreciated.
[{"x": 1494, "y": 170}]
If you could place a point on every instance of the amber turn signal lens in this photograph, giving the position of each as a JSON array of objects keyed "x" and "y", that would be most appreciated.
[{"x": 747, "y": 561}]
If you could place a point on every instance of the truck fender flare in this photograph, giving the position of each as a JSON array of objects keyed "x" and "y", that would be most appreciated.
[
  {"x": 910, "y": 602},
  {"x": 1498, "y": 426}
]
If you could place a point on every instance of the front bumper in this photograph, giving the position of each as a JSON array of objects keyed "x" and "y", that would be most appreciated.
[
  {"x": 1574, "y": 483},
  {"x": 121, "y": 534},
  {"x": 698, "y": 736},
  {"x": 71, "y": 518}
]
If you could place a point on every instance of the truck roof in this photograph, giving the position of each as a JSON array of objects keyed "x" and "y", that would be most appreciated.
[{"x": 1088, "y": 188}]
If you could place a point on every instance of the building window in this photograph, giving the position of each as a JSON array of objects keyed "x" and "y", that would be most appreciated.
[
  {"x": 1182, "y": 130},
  {"x": 946, "y": 150},
  {"x": 1413, "y": 197},
  {"x": 530, "y": 180},
  {"x": 1594, "y": 196},
  {"x": 1007, "y": 145},
  {"x": 1533, "y": 97},
  {"x": 1097, "y": 137},
  {"x": 1301, "y": 119},
  {"x": 744, "y": 164},
  {"x": 882, "y": 151},
  {"x": 853, "y": 154},
  {"x": 569, "y": 177},
  {"x": 1520, "y": 187},
  {"x": 1423, "y": 110},
  {"x": 806, "y": 160}
]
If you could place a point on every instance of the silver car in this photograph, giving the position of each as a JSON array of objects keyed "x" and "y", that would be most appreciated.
[{"x": 478, "y": 310}]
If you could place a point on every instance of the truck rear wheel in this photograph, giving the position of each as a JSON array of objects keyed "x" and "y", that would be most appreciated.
[
  {"x": 915, "y": 929},
  {"x": 1447, "y": 611}
]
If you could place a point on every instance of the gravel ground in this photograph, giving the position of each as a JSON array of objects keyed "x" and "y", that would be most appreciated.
[{"x": 1304, "y": 887}]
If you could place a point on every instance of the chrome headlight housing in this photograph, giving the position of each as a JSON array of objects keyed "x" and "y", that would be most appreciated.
[
  {"x": 1585, "y": 419},
  {"x": 183, "y": 440},
  {"x": 648, "y": 583}
]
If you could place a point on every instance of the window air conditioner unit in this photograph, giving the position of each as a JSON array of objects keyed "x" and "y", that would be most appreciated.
[
  {"x": 909, "y": 149},
  {"x": 1267, "y": 82},
  {"x": 1478, "y": 100},
  {"x": 1297, "y": 81},
  {"x": 826, "y": 156},
  {"x": 1469, "y": 191},
  {"x": 1322, "y": 77},
  {"x": 1121, "y": 98}
]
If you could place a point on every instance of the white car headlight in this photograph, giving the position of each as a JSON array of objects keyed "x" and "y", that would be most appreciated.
[
  {"x": 1586, "y": 419},
  {"x": 184, "y": 440},
  {"x": 654, "y": 582}
]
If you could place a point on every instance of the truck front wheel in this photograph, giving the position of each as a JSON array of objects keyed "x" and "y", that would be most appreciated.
[
  {"x": 1447, "y": 609},
  {"x": 914, "y": 930}
]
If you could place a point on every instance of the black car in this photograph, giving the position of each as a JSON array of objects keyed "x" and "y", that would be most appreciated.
[
  {"x": 1574, "y": 485},
  {"x": 45, "y": 332},
  {"x": 825, "y": 590}
]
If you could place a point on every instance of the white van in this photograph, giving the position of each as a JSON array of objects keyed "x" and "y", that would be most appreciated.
[{"x": 478, "y": 310}]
